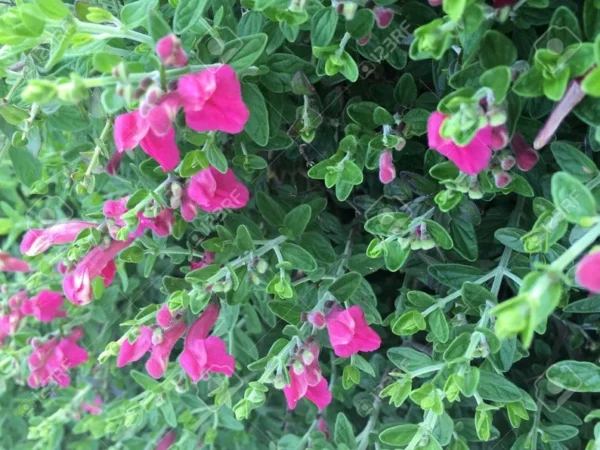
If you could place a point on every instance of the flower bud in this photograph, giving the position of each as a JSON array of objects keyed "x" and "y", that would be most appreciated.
[
  {"x": 145, "y": 83},
  {"x": 502, "y": 179},
  {"x": 383, "y": 16},
  {"x": 262, "y": 266},
  {"x": 298, "y": 367},
  {"x": 39, "y": 91},
  {"x": 507, "y": 163},
  {"x": 364, "y": 41},
  {"x": 317, "y": 318},
  {"x": 349, "y": 10},
  {"x": 279, "y": 382},
  {"x": 170, "y": 51}
]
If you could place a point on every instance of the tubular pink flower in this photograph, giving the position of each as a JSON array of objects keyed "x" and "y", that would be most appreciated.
[
  {"x": 45, "y": 306},
  {"x": 154, "y": 132},
  {"x": 212, "y": 101},
  {"x": 214, "y": 191},
  {"x": 159, "y": 357},
  {"x": 10, "y": 264},
  {"x": 164, "y": 317},
  {"x": 383, "y": 16},
  {"x": 364, "y": 41},
  {"x": 308, "y": 383},
  {"x": 161, "y": 225},
  {"x": 387, "y": 170},
  {"x": 473, "y": 157},
  {"x": 166, "y": 441},
  {"x": 170, "y": 51},
  {"x": 189, "y": 208},
  {"x": 51, "y": 361},
  {"x": 587, "y": 273},
  {"x": 526, "y": 156},
  {"x": 349, "y": 333},
  {"x": 93, "y": 408},
  {"x": 98, "y": 262},
  {"x": 207, "y": 260},
  {"x": 317, "y": 318},
  {"x": 133, "y": 351},
  {"x": 203, "y": 355},
  {"x": 38, "y": 241}
]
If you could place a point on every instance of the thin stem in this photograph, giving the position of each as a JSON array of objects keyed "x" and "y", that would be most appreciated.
[
  {"x": 170, "y": 74},
  {"x": 98, "y": 149},
  {"x": 106, "y": 31}
]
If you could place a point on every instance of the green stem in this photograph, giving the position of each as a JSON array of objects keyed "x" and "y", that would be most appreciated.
[
  {"x": 426, "y": 426},
  {"x": 98, "y": 149},
  {"x": 363, "y": 438},
  {"x": 106, "y": 31},
  {"x": 170, "y": 74},
  {"x": 427, "y": 369}
]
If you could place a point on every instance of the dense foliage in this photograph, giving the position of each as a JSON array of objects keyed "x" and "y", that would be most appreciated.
[{"x": 292, "y": 224}]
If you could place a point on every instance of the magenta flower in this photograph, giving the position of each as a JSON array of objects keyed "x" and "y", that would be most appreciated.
[
  {"x": 133, "y": 351},
  {"x": 98, "y": 262},
  {"x": 207, "y": 260},
  {"x": 212, "y": 101},
  {"x": 317, "y": 319},
  {"x": 387, "y": 170},
  {"x": 323, "y": 428},
  {"x": 10, "y": 264},
  {"x": 526, "y": 156},
  {"x": 161, "y": 225},
  {"x": 166, "y": 441},
  {"x": 189, "y": 208},
  {"x": 349, "y": 332},
  {"x": 364, "y": 41},
  {"x": 51, "y": 361},
  {"x": 587, "y": 273},
  {"x": 153, "y": 132},
  {"x": 45, "y": 306},
  {"x": 170, "y": 51},
  {"x": 164, "y": 317},
  {"x": 93, "y": 408},
  {"x": 307, "y": 381},
  {"x": 473, "y": 157},
  {"x": 214, "y": 191},
  {"x": 201, "y": 354},
  {"x": 383, "y": 16},
  {"x": 161, "y": 350},
  {"x": 38, "y": 241}
]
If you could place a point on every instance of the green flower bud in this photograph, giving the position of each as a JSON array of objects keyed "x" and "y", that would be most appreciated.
[{"x": 40, "y": 91}]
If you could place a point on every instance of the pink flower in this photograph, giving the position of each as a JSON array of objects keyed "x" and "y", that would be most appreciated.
[
  {"x": 349, "y": 332},
  {"x": 364, "y": 41},
  {"x": 189, "y": 208},
  {"x": 133, "y": 351},
  {"x": 207, "y": 260},
  {"x": 526, "y": 156},
  {"x": 212, "y": 101},
  {"x": 98, "y": 262},
  {"x": 323, "y": 428},
  {"x": 387, "y": 170},
  {"x": 51, "y": 361},
  {"x": 201, "y": 354},
  {"x": 10, "y": 264},
  {"x": 164, "y": 318},
  {"x": 473, "y": 157},
  {"x": 38, "y": 241},
  {"x": 170, "y": 51},
  {"x": 587, "y": 273},
  {"x": 307, "y": 381},
  {"x": 161, "y": 351},
  {"x": 502, "y": 179},
  {"x": 166, "y": 441},
  {"x": 161, "y": 224},
  {"x": 383, "y": 16},
  {"x": 153, "y": 132},
  {"x": 45, "y": 306},
  {"x": 214, "y": 191},
  {"x": 317, "y": 318},
  {"x": 93, "y": 408}
]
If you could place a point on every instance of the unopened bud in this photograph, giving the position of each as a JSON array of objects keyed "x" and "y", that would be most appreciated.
[
  {"x": 298, "y": 367},
  {"x": 261, "y": 266},
  {"x": 349, "y": 10},
  {"x": 279, "y": 382},
  {"x": 508, "y": 163},
  {"x": 317, "y": 318},
  {"x": 502, "y": 179}
]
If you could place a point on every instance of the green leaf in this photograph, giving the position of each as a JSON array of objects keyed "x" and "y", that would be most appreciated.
[
  {"x": 361, "y": 24},
  {"x": 345, "y": 286},
  {"x": 242, "y": 52},
  {"x": 136, "y": 13},
  {"x": 408, "y": 359},
  {"x": 298, "y": 257},
  {"x": 496, "y": 388},
  {"x": 496, "y": 50},
  {"x": 439, "y": 234},
  {"x": 575, "y": 376},
  {"x": 187, "y": 14},
  {"x": 203, "y": 274},
  {"x": 288, "y": 311},
  {"x": 104, "y": 62},
  {"x": 157, "y": 26},
  {"x": 399, "y": 435},
  {"x": 572, "y": 198},
  {"x": 53, "y": 9},
  {"x": 342, "y": 433},
  {"x": 558, "y": 433},
  {"x": 144, "y": 380},
  {"x": 498, "y": 80},
  {"x": 323, "y": 26},
  {"x": 270, "y": 209},
  {"x": 405, "y": 91},
  {"x": 572, "y": 160},
  {"x": 438, "y": 324},
  {"x": 27, "y": 168},
  {"x": 588, "y": 305},
  {"x": 297, "y": 219},
  {"x": 257, "y": 126},
  {"x": 454, "y": 275}
]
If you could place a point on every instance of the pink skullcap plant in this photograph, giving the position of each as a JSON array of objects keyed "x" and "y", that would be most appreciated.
[
  {"x": 306, "y": 380},
  {"x": 473, "y": 157},
  {"x": 153, "y": 132},
  {"x": 208, "y": 259},
  {"x": 383, "y": 16},
  {"x": 349, "y": 333},
  {"x": 98, "y": 262},
  {"x": 171, "y": 52},
  {"x": 212, "y": 101},
  {"x": 161, "y": 224},
  {"x": 166, "y": 441},
  {"x": 203, "y": 354},
  {"x": 587, "y": 273},
  {"x": 45, "y": 306},
  {"x": 214, "y": 191},
  {"x": 387, "y": 170},
  {"x": 10, "y": 264},
  {"x": 38, "y": 241},
  {"x": 51, "y": 361},
  {"x": 525, "y": 155}
]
